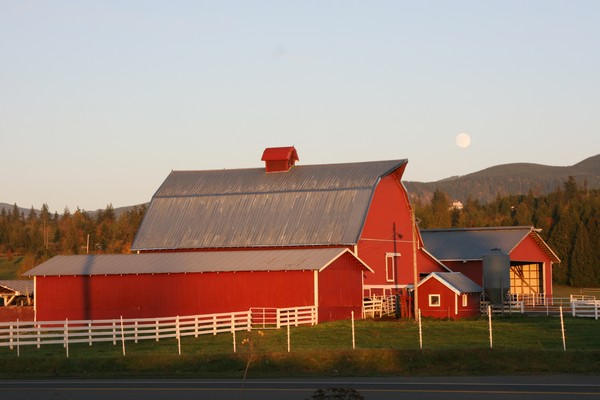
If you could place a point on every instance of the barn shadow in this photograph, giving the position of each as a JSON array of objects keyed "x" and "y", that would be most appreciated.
[{"x": 86, "y": 286}]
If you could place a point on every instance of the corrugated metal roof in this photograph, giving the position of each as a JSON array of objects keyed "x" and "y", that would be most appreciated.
[
  {"x": 190, "y": 262},
  {"x": 455, "y": 281},
  {"x": 473, "y": 243},
  {"x": 308, "y": 205},
  {"x": 20, "y": 287}
]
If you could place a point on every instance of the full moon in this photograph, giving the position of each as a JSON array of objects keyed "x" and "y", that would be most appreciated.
[{"x": 463, "y": 140}]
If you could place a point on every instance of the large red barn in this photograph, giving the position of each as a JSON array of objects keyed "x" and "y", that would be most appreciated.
[{"x": 359, "y": 210}]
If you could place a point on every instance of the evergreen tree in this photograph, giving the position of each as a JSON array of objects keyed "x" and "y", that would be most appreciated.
[{"x": 583, "y": 271}]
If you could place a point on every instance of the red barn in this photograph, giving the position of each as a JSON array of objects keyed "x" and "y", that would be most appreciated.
[
  {"x": 168, "y": 284},
  {"x": 361, "y": 206},
  {"x": 529, "y": 262},
  {"x": 359, "y": 211},
  {"x": 449, "y": 295}
]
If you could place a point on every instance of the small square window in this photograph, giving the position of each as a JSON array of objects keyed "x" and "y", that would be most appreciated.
[
  {"x": 434, "y": 300},
  {"x": 465, "y": 300}
]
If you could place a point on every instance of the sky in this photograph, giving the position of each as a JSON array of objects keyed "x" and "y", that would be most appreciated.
[{"x": 100, "y": 100}]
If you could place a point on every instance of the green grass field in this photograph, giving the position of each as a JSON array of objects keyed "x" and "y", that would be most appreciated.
[{"x": 522, "y": 345}]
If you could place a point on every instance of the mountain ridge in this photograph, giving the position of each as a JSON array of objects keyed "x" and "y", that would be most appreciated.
[{"x": 509, "y": 179}]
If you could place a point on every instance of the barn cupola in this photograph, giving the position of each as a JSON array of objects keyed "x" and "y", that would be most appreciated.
[{"x": 279, "y": 159}]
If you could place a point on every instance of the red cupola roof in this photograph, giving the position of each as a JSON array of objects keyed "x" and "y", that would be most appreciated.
[{"x": 279, "y": 159}]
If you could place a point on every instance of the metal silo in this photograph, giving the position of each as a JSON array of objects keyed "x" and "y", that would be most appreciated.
[{"x": 496, "y": 275}]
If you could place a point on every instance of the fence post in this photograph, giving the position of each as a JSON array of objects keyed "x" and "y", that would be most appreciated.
[
  {"x": 288, "y": 338},
  {"x": 562, "y": 328},
  {"x": 233, "y": 332},
  {"x": 136, "y": 331},
  {"x": 196, "y": 326},
  {"x": 122, "y": 336},
  {"x": 278, "y": 318},
  {"x": 214, "y": 324},
  {"x": 522, "y": 306},
  {"x": 37, "y": 334},
  {"x": 18, "y": 344},
  {"x": 420, "y": 332},
  {"x": 249, "y": 319},
  {"x": 353, "y": 337},
  {"x": 156, "y": 330},
  {"x": 90, "y": 333},
  {"x": 114, "y": 325},
  {"x": 178, "y": 334},
  {"x": 490, "y": 326},
  {"x": 10, "y": 337},
  {"x": 66, "y": 345}
]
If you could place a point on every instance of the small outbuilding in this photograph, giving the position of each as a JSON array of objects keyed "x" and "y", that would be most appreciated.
[{"x": 449, "y": 295}]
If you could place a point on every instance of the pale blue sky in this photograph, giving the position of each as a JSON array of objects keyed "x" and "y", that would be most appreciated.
[{"x": 100, "y": 100}]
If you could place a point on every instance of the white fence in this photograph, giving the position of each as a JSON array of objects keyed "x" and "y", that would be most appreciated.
[
  {"x": 24, "y": 333},
  {"x": 577, "y": 306},
  {"x": 379, "y": 305},
  {"x": 275, "y": 318}
]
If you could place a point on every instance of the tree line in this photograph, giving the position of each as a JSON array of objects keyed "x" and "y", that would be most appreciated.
[
  {"x": 39, "y": 236},
  {"x": 569, "y": 219}
]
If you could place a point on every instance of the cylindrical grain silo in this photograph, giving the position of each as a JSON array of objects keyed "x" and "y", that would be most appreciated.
[{"x": 496, "y": 275}]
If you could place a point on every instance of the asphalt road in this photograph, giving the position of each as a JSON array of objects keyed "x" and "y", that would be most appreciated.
[{"x": 488, "y": 388}]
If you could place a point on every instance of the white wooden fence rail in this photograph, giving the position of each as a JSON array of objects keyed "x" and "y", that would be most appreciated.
[
  {"x": 379, "y": 305},
  {"x": 589, "y": 308},
  {"x": 67, "y": 332},
  {"x": 275, "y": 318}
]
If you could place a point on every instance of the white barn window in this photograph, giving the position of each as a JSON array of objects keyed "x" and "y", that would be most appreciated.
[
  {"x": 390, "y": 266},
  {"x": 435, "y": 300}
]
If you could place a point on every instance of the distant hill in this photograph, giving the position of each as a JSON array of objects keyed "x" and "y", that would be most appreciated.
[
  {"x": 516, "y": 178},
  {"x": 92, "y": 214}
]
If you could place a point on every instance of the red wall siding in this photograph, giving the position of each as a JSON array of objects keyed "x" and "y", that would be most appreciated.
[
  {"x": 14, "y": 313},
  {"x": 133, "y": 296},
  {"x": 471, "y": 269},
  {"x": 389, "y": 206},
  {"x": 340, "y": 289}
]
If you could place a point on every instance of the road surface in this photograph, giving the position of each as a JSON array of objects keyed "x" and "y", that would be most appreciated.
[{"x": 488, "y": 388}]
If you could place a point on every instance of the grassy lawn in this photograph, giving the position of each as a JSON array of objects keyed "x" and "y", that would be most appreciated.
[
  {"x": 563, "y": 291},
  {"x": 522, "y": 345}
]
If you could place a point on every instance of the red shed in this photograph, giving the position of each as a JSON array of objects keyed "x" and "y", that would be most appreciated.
[
  {"x": 168, "y": 284},
  {"x": 449, "y": 295}
]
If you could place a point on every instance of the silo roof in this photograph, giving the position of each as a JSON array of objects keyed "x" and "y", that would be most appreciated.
[{"x": 307, "y": 205}]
